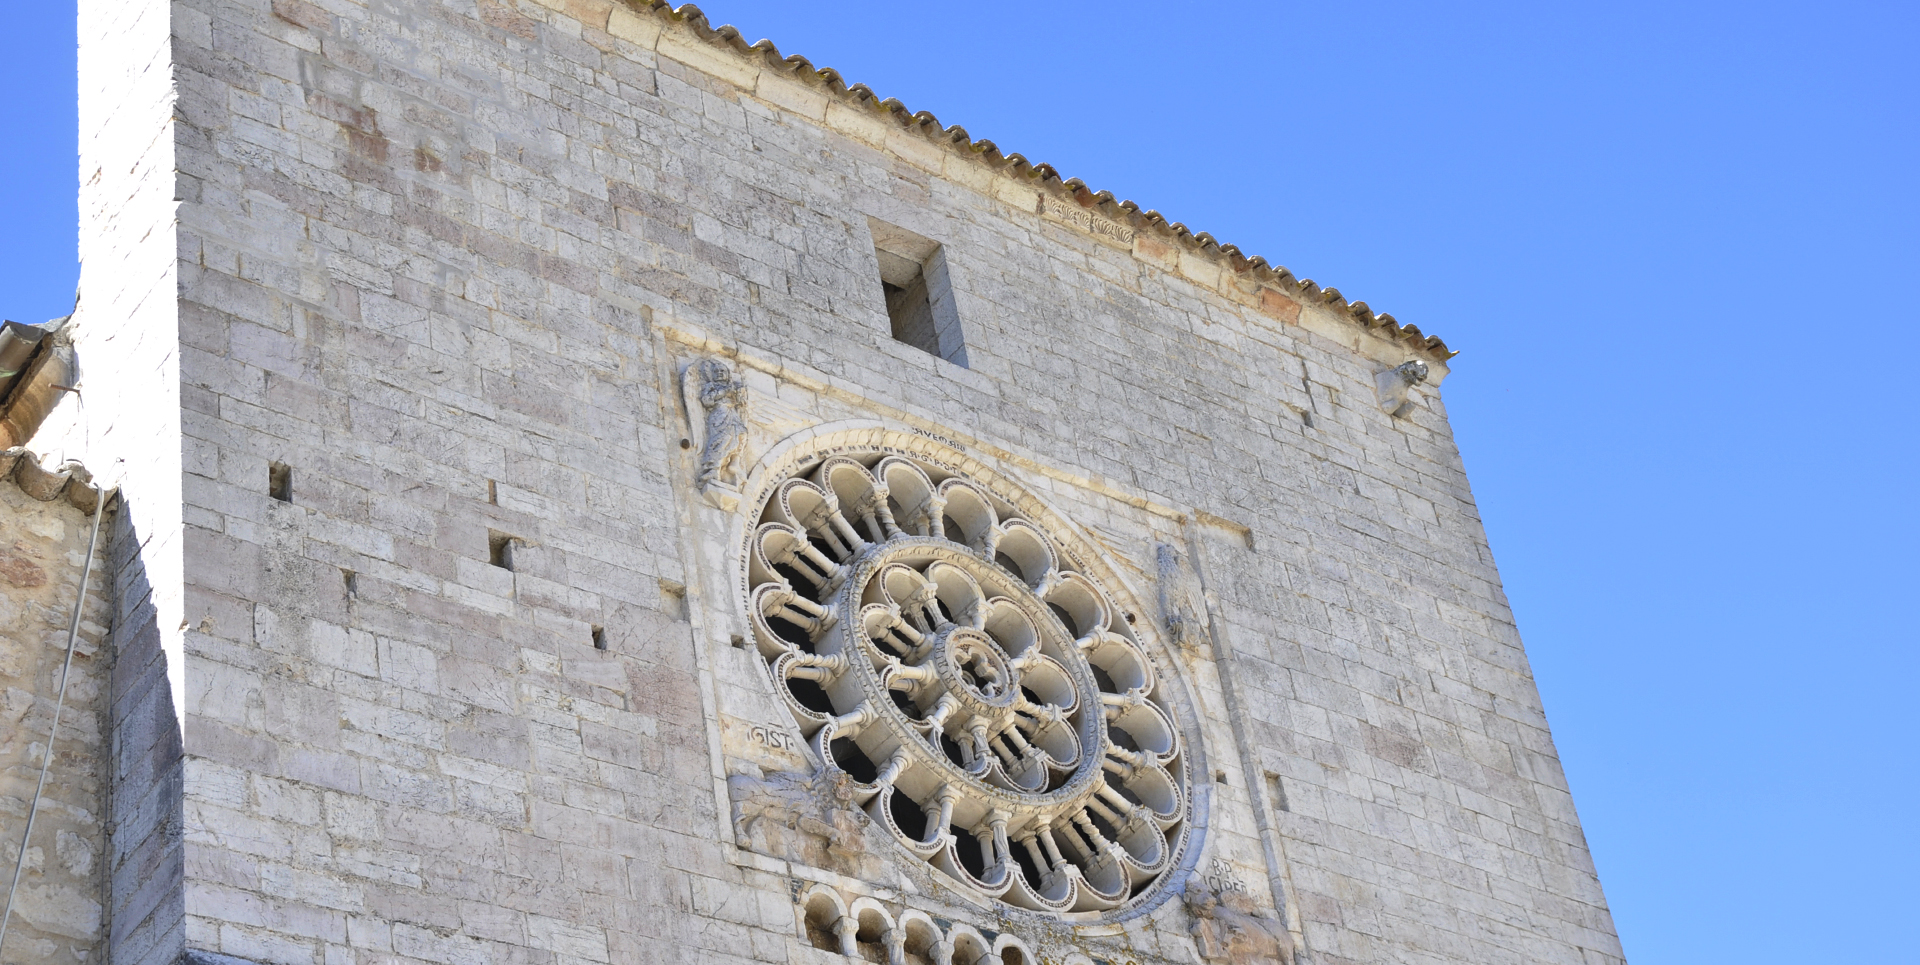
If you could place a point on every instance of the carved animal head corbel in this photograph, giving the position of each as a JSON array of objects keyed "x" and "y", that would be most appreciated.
[{"x": 1395, "y": 383}]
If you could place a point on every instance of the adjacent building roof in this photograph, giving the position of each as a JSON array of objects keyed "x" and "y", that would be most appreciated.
[
  {"x": 690, "y": 17},
  {"x": 35, "y": 363},
  {"x": 71, "y": 481}
]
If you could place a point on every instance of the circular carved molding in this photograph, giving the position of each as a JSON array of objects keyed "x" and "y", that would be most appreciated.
[{"x": 990, "y": 704}]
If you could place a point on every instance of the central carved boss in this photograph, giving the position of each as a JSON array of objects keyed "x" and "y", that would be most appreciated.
[{"x": 991, "y": 708}]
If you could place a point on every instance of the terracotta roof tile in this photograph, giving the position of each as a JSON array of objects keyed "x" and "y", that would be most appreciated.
[{"x": 71, "y": 480}]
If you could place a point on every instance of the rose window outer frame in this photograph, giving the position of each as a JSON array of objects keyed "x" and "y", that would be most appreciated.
[{"x": 911, "y": 610}]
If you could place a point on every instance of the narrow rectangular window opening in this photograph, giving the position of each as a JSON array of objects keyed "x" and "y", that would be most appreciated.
[
  {"x": 493, "y": 493},
  {"x": 599, "y": 638},
  {"x": 500, "y": 549},
  {"x": 351, "y": 581},
  {"x": 1277, "y": 792},
  {"x": 280, "y": 481},
  {"x": 918, "y": 291}
]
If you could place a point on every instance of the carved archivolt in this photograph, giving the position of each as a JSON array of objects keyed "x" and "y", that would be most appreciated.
[{"x": 992, "y": 709}]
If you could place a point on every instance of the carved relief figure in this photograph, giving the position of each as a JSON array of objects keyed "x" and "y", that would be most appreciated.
[
  {"x": 1228, "y": 928},
  {"x": 796, "y": 816},
  {"x": 718, "y": 419},
  {"x": 1179, "y": 603}
]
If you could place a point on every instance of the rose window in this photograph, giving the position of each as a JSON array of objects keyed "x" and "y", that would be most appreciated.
[{"x": 992, "y": 708}]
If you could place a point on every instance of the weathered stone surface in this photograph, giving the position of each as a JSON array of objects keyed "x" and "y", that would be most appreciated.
[{"x": 43, "y": 548}]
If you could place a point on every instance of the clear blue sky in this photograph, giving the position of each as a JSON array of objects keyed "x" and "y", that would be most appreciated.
[{"x": 1676, "y": 245}]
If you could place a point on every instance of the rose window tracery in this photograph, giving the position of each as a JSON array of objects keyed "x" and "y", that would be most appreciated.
[{"x": 992, "y": 709}]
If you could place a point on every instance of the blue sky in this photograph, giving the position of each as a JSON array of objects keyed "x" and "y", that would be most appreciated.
[{"x": 1675, "y": 244}]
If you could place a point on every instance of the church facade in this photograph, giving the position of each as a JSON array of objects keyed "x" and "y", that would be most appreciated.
[{"x": 588, "y": 489}]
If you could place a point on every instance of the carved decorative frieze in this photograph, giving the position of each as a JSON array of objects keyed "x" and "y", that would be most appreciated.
[{"x": 1087, "y": 221}]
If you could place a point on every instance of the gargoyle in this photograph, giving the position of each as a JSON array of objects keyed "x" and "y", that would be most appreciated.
[{"x": 1393, "y": 384}]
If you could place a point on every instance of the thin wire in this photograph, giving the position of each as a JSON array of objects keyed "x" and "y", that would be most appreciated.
[{"x": 59, "y": 704}]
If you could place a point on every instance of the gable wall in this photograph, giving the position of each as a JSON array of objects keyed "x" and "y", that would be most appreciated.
[{"x": 427, "y": 245}]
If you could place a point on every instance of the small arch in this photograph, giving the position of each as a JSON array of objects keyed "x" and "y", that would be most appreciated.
[
  {"x": 920, "y": 936},
  {"x": 969, "y": 946},
  {"x": 1013, "y": 951},
  {"x": 873, "y": 930},
  {"x": 820, "y": 916}
]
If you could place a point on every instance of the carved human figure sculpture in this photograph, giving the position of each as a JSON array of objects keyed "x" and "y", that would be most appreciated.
[{"x": 720, "y": 397}]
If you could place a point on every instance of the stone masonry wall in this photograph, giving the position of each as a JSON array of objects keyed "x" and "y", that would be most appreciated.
[
  {"x": 57, "y": 915},
  {"x": 443, "y": 258}
]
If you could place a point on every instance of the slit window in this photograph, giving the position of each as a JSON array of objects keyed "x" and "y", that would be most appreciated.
[
  {"x": 918, "y": 291},
  {"x": 1277, "y": 792},
  {"x": 280, "y": 481}
]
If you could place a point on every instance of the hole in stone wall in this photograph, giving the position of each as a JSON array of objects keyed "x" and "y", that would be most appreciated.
[
  {"x": 1277, "y": 792},
  {"x": 1220, "y": 778},
  {"x": 280, "y": 481},
  {"x": 500, "y": 549},
  {"x": 739, "y": 642},
  {"x": 351, "y": 581},
  {"x": 599, "y": 638},
  {"x": 918, "y": 291},
  {"x": 493, "y": 492}
]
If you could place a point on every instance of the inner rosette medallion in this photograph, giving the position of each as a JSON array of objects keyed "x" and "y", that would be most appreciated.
[{"x": 990, "y": 706}]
